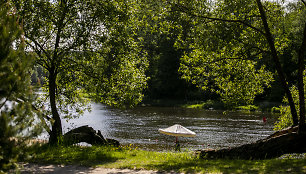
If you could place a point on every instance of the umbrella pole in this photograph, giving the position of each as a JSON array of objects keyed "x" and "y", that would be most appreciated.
[{"x": 177, "y": 144}]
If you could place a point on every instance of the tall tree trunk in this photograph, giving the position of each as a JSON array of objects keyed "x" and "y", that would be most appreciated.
[
  {"x": 278, "y": 66},
  {"x": 301, "y": 65},
  {"x": 56, "y": 131}
]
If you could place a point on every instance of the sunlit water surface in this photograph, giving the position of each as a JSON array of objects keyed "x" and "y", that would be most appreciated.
[{"x": 139, "y": 126}]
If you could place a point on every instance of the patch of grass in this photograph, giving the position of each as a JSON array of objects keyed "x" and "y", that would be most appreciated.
[
  {"x": 87, "y": 156},
  {"x": 131, "y": 158},
  {"x": 275, "y": 110},
  {"x": 209, "y": 104},
  {"x": 248, "y": 108},
  {"x": 195, "y": 106},
  {"x": 234, "y": 166}
]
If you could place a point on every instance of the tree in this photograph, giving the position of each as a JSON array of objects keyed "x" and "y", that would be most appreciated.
[
  {"x": 232, "y": 37},
  {"x": 224, "y": 57},
  {"x": 245, "y": 39},
  {"x": 158, "y": 38},
  {"x": 85, "y": 47},
  {"x": 17, "y": 121},
  {"x": 301, "y": 68},
  {"x": 285, "y": 120}
]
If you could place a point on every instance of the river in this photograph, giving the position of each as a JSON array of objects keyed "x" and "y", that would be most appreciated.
[{"x": 139, "y": 126}]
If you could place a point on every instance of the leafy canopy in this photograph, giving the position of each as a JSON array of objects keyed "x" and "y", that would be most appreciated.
[
  {"x": 226, "y": 51},
  {"x": 89, "y": 46}
]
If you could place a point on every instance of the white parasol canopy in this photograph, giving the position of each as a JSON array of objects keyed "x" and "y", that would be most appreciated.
[{"x": 177, "y": 130}]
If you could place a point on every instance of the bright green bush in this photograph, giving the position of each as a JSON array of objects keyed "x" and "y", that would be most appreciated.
[{"x": 285, "y": 119}]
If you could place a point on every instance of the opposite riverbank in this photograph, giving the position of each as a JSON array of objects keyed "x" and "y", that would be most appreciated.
[{"x": 262, "y": 106}]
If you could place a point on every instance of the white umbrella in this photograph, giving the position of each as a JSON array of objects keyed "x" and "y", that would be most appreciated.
[{"x": 178, "y": 131}]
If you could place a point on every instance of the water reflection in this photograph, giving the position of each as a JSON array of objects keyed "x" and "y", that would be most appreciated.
[{"x": 139, "y": 126}]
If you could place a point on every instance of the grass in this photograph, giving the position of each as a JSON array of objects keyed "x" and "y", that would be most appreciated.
[
  {"x": 209, "y": 104},
  {"x": 131, "y": 158},
  {"x": 248, "y": 108}
]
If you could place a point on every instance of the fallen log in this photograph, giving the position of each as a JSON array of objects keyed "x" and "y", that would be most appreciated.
[
  {"x": 275, "y": 146},
  {"x": 88, "y": 135}
]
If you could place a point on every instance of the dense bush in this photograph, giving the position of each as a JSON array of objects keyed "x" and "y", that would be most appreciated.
[{"x": 285, "y": 119}]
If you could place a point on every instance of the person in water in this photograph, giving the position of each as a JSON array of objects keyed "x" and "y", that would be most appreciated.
[{"x": 264, "y": 119}]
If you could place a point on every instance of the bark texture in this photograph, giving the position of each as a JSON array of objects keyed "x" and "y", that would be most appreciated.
[{"x": 56, "y": 130}]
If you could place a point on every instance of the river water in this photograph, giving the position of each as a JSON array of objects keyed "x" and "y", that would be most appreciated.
[{"x": 139, "y": 126}]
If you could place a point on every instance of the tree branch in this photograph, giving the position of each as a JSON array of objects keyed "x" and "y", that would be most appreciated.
[
  {"x": 60, "y": 25},
  {"x": 9, "y": 95},
  {"x": 38, "y": 45},
  {"x": 88, "y": 71},
  {"x": 188, "y": 11},
  {"x": 20, "y": 100},
  {"x": 41, "y": 61},
  {"x": 227, "y": 58}
]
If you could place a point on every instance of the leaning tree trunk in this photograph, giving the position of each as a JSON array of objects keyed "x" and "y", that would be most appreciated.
[
  {"x": 287, "y": 141},
  {"x": 291, "y": 140},
  {"x": 301, "y": 65},
  {"x": 278, "y": 66},
  {"x": 56, "y": 131}
]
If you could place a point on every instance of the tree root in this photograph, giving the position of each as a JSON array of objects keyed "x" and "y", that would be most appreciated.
[{"x": 279, "y": 143}]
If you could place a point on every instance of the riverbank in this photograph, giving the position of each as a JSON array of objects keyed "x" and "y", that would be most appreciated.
[
  {"x": 91, "y": 159},
  {"x": 262, "y": 106}
]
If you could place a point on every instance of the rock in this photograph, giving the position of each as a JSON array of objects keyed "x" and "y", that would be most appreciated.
[{"x": 86, "y": 134}]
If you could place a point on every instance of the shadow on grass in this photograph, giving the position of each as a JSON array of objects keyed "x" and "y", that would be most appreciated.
[
  {"x": 67, "y": 155},
  {"x": 175, "y": 162},
  {"x": 233, "y": 166},
  {"x": 47, "y": 168}
]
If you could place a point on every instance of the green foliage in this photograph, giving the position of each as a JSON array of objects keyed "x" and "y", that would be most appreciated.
[
  {"x": 248, "y": 108},
  {"x": 195, "y": 106},
  {"x": 17, "y": 122},
  {"x": 38, "y": 76},
  {"x": 157, "y": 31},
  {"x": 292, "y": 30},
  {"x": 285, "y": 119},
  {"x": 275, "y": 110},
  {"x": 209, "y": 104},
  {"x": 95, "y": 51},
  {"x": 225, "y": 57},
  {"x": 85, "y": 48},
  {"x": 118, "y": 72}
]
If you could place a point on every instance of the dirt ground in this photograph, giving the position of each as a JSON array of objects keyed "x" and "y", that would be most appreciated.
[{"x": 74, "y": 169}]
